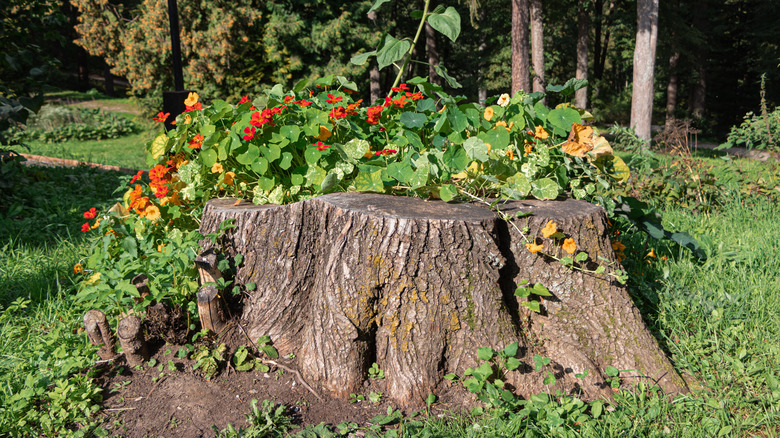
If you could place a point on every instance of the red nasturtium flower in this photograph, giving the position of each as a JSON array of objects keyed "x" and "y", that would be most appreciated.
[
  {"x": 161, "y": 117},
  {"x": 244, "y": 99},
  {"x": 260, "y": 118},
  {"x": 402, "y": 87},
  {"x": 85, "y": 227},
  {"x": 137, "y": 176},
  {"x": 302, "y": 102},
  {"x": 288, "y": 99},
  {"x": 91, "y": 213},
  {"x": 386, "y": 152},
  {"x": 321, "y": 146},
  {"x": 374, "y": 114},
  {"x": 197, "y": 107},
  {"x": 352, "y": 108},
  {"x": 333, "y": 99},
  {"x": 196, "y": 142},
  {"x": 250, "y": 133},
  {"x": 338, "y": 112}
]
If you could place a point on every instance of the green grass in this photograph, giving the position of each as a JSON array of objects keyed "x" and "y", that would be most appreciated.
[
  {"x": 717, "y": 319},
  {"x": 128, "y": 151}
]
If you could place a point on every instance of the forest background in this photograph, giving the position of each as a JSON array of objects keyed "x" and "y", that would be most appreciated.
[{"x": 709, "y": 60}]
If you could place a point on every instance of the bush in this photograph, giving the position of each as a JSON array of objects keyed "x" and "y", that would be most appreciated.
[
  {"x": 756, "y": 132},
  {"x": 58, "y": 123}
]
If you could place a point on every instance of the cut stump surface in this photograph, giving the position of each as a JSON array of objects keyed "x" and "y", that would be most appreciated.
[{"x": 348, "y": 279}]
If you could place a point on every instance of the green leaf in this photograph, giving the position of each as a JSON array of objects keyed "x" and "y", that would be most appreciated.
[
  {"x": 456, "y": 159},
  {"x": 312, "y": 155},
  {"x": 420, "y": 178},
  {"x": 367, "y": 181},
  {"x": 377, "y": 4},
  {"x": 581, "y": 257},
  {"x": 330, "y": 181},
  {"x": 447, "y": 22},
  {"x": 130, "y": 246},
  {"x": 286, "y": 161},
  {"x": 209, "y": 157},
  {"x": 356, "y": 148},
  {"x": 614, "y": 167},
  {"x": 270, "y": 351},
  {"x": 533, "y": 305},
  {"x": 158, "y": 146},
  {"x": 248, "y": 157},
  {"x": 596, "y": 408},
  {"x": 511, "y": 349},
  {"x": 540, "y": 290},
  {"x": 611, "y": 371},
  {"x": 442, "y": 71},
  {"x": 401, "y": 171},
  {"x": 476, "y": 149},
  {"x": 569, "y": 87},
  {"x": 392, "y": 50},
  {"x": 562, "y": 118},
  {"x": 545, "y": 189},
  {"x": 498, "y": 138},
  {"x": 413, "y": 120},
  {"x": 517, "y": 187},
  {"x": 513, "y": 363},
  {"x": 485, "y": 353},
  {"x": 361, "y": 58},
  {"x": 448, "y": 192}
]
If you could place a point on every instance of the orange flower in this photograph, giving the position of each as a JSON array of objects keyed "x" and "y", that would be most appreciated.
[
  {"x": 324, "y": 133},
  {"x": 534, "y": 248},
  {"x": 549, "y": 229},
  {"x": 217, "y": 168},
  {"x": 196, "y": 142},
  {"x": 540, "y": 133},
  {"x": 528, "y": 147},
  {"x": 569, "y": 246},
  {"x": 78, "y": 269},
  {"x": 618, "y": 246},
  {"x": 152, "y": 213},
  {"x": 651, "y": 253},
  {"x": 160, "y": 247},
  {"x": 511, "y": 154},
  {"x": 228, "y": 180},
  {"x": 192, "y": 99},
  {"x": 489, "y": 113}
]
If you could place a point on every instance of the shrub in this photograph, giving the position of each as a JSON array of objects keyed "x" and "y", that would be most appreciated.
[
  {"x": 756, "y": 132},
  {"x": 57, "y": 123}
]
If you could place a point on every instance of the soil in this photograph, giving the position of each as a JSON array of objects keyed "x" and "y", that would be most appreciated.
[{"x": 170, "y": 399}]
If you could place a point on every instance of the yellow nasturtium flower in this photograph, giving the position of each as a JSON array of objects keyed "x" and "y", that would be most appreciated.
[
  {"x": 540, "y": 133},
  {"x": 569, "y": 245},
  {"x": 229, "y": 178},
  {"x": 534, "y": 248},
  {"x": 217, "y": 168},
  {"x": 489, "y": 113},
  {"x": 503, "y": 100},
  {"x": 152, "y": 213},
  {"x": 192, "y": 99},
  {"x": 549, "y": 229}
]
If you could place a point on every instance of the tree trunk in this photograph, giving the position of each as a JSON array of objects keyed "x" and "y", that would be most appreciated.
[
  {"x": 520, "y": 69},
  {"x": 433, "y": 54},
  {"x": 644, "y": 64},
  {"x": 699, "y": 79},
  {"x": 581, "y": 95},
  {"x": 671, "y": 88},
  {"x": 346, "y": 280},
  {"x": 537, "y": 45},
  {"x": 131, "y": 338}
]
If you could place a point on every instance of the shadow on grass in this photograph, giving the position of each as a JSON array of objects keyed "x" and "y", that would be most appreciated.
[{"x": 41, "y": 213}]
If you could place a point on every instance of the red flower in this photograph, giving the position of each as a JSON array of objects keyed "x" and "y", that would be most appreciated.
[
  {"x": 302, "y": 102},
  {"x": 197, "y": 107},
  {"x": 278, "y": 110},
  {"x": 244, "y": 99},
  {"x": 402, "y": 87},
  {"x": 333, "y": 99},
  {"x": 415, "y": 96},
  {"x": 260, "y": 118},
  {"x": 161, "y": 117},
  {"x": 321, "y": 146},
  {"x": 288, "y": 99},
  {"x": 195, "y": 143},
  {"x": 374, "y": 114},
  {"x": 137, "y": 176},
  {"x": 90, "y": 214},
  {"x": 160, "y": 191},
  {"x": 338, "y": 112},
  {"x": 386, "y": 152},
  {"x": 250, "y": 133},
  {"x": 85, "y": 227}
]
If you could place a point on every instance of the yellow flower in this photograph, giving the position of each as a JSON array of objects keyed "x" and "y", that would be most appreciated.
[
  {"x": 160, "y": 247},
  {"x": 569, "y": 246},
  {"x": 489, "y": 147},
  {"x": 534, "y": 248},
  {"x": 152, "y": 213},
  {"x": 324, "y": 133},
  {"x": 217, "y": 168},
  {"x": 97, "y": 224},
  {"x": 229, "y": 178},
  {"x": 651, "y": 253},
  {"x": 549, "y": 229},
  {"x": 78, "y": 269},
  {"x": 489, "y": 113},
  {"x": 503, "y": 100},
  {"x": 187, "y": 119},
  {"x": 528, "y": 147},
  {"x": 540, "y": 133},
  {"x": 192, "y": 99}
]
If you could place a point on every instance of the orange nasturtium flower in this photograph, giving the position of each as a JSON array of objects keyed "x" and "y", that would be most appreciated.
[
  {"x": 534, "y": 248},
  {"x": 191, "y": 99},
  {"x": 569, "y": 245},
  {"x": 91, "y": 213},
  {"x": 651, "y": 253},
  {"x": 217, "y": 168},
  {"x": 540, "y": 133},
  {"x": 228, "y": 180},
  {"x": 489, "y": 113},
  {"x": 618, "y": 246},
  {"x": 161, "y": 117},
  {"x": 77, "y": 268},
  {"x": 549, "y": 229},
  {"x": 324, "y": 133},
  {"x": 196, "y": 142},
  {"x": 152, "y": 213}
]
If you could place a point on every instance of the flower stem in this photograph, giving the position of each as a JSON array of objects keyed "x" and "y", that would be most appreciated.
[{"x": 411, "y": 49}]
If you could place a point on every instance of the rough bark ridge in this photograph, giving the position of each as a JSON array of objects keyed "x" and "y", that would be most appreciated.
[{"x": 345, "y": 280}]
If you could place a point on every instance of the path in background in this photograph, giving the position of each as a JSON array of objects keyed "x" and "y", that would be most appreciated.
[{"x": 40, "y": 160}]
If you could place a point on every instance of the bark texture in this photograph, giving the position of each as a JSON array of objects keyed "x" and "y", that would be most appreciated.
[
  {"x": 644, "y": 65},
  {"x": 583, "y": 24},
  {"x": 346, "y": 280},
  {"x": 99, "y": 333},
  {"x": 131, "y": 337},
  {"x": 537, "y": 46},
  {"x": 521, "y": 72}
]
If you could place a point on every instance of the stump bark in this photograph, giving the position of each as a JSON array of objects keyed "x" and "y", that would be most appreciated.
[{"x": 348, "y": 279}]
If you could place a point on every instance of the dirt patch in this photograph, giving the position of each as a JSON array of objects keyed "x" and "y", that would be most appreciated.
[{"x": 170, "y": 399}]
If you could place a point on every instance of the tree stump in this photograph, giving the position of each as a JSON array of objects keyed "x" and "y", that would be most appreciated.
[
  {"x": 348, "y": 279},
  {"x": 99, "y": 333},
  {"x": 131, "y": 337}
]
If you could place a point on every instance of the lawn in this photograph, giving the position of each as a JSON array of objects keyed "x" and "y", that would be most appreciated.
[{"x": 715, "y": 317}]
